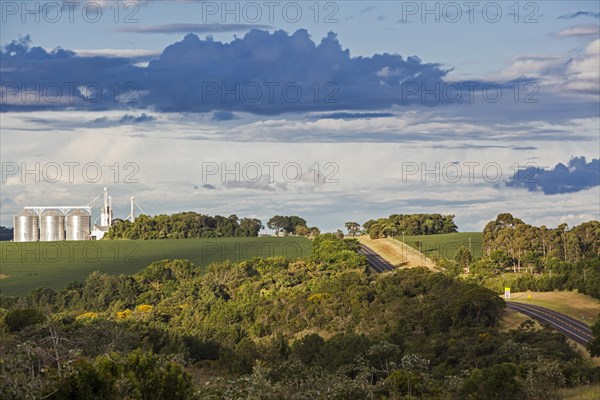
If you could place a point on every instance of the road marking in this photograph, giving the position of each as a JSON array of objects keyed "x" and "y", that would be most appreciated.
[
  {"x": 534, "y": 312},
  {"x": 564, "y": 318},
  {"x": 375, "y": 260}
]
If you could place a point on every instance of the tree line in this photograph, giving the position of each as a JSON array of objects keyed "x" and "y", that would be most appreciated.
[
  {"x": 526, "y": 257},
  {"x": 6, "y": 233},
  {"x": 512, "y": 242},
  {"x": 188, "y": 225},
  {"x": 409, "y": 224}
]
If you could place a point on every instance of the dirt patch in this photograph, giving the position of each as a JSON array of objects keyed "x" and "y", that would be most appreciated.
[
  {"x": 397, "y": 253},
  {"x": 4, "y": 276}
]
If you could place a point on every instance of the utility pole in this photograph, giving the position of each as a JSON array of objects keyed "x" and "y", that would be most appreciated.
[{"x": 403, "y": 247}]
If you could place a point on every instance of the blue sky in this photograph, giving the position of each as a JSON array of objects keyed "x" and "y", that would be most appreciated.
[{"x": 378, "y": 63}]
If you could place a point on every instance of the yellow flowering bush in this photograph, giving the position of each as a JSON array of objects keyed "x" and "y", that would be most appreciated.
[
  {"x": 144, "y": 308},
  {"x": 87, "y": 315},
  {"x": 124, "y": 314},
  {"x": 316, "y": 297}
]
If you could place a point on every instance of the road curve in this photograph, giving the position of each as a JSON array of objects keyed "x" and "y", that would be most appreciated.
[
  {"x": 568, "y": 326},
  {"x": 375, "y": 260}
]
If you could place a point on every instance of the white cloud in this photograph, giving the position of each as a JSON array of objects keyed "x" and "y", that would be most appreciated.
[
  {"x": 580, "y": 30},
  {"x": 584, "y": 73},
  {"x": 129, "y": 53},
  {"x": 370, "y": 175},
  {"x": 561, "y": 74}
]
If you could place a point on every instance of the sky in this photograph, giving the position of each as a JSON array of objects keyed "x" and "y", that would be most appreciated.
[{"x": 334, "y": 111}]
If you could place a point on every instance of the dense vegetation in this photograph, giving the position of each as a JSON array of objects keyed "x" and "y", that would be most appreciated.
[
  {"x": 514, "y": 243},
  {"x": 183, "y": 226},
  {"x": 6, "y": 233},
  {"x": 187, "y": 225},
  {"x": 410, "y": 224},
  {"x": 272, "y": 328},
  {"x": 525, "y": 257}
]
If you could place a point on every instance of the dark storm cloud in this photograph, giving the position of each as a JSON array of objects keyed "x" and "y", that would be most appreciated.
[
  {"x": 223, "y": 116},
  {"x": 577, "y": 175},
  {"x": 126, "y": 119},
  {"x": 132, "y": 119},
  {"x": 262, "y": 73},
  {"x": 580, "y": 14}
]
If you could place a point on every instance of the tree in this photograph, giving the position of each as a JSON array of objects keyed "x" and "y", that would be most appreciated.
[
  {"x": 277, "y": 223},
  {"x": 294, "y": 223},
  {"x": 302, "y": 231},
  {"x": 353, "y": 228},
  {"x": 19, "y": 319},
  {"x": 594, "y": 345},
  {"x": 308, "y": 349},
  {"x": 288, "y": 225},
  {"x": 496, "y": 383},
  {"x": 249, "y": 227},
  {"x": 463, "y": 257},
  {"x": 314, "y": 231}
]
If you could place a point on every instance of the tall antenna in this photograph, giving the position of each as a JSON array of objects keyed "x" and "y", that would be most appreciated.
[
  {"x": 106, "y": 215},
  {"x": 134, "y": 204},
  {"x": 132, "y": 213},
  {"x": 110, "y": 211}
]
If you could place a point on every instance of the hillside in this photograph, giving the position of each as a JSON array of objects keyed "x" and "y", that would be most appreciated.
[{"x": 275, "y": 328}]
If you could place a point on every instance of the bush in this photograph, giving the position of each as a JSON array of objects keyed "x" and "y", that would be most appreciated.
[{"x": 17, "y": 320}]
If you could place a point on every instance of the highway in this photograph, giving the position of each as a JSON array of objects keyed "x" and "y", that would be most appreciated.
[
  {"x": 375, "y": 260},
  {"x": 570, "y": 327}
]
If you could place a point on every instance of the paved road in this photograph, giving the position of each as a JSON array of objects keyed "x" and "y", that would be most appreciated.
[
  {"x": 375, "y": 260},
  {"x": 570, "y": 327}
]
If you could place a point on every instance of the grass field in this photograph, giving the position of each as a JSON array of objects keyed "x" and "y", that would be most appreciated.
[
  {"x": 26, "y": 266},
  {"x": 444, "y": 246}
]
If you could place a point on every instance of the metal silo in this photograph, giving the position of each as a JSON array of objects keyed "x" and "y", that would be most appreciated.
[
  {"x": 25, "y": 224},
  {"x": 52, "y": 226},
  {"x": 79, "y": 225}
]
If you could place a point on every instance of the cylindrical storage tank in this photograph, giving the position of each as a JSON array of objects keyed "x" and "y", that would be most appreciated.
[
  {"x": 52, "y": 226},
  {"x": 25, "y": 226},
  {"x": 79, "y": 225}
]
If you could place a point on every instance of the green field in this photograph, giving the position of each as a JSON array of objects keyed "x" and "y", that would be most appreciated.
[
  {"x": 26, "y": 266},
  {"x": 444, "y": 246}
]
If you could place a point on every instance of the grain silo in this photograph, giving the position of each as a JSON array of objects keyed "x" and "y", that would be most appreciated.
[
  {"x": 79, "y": 225},
  {"x": 25, "y": 224},
  {"x": 52, "y": 226}
]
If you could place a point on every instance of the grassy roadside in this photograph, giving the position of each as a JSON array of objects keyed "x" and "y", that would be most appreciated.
[
  {"x": 573, "y": 304},
  {"x": 587, "y": 392}
]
